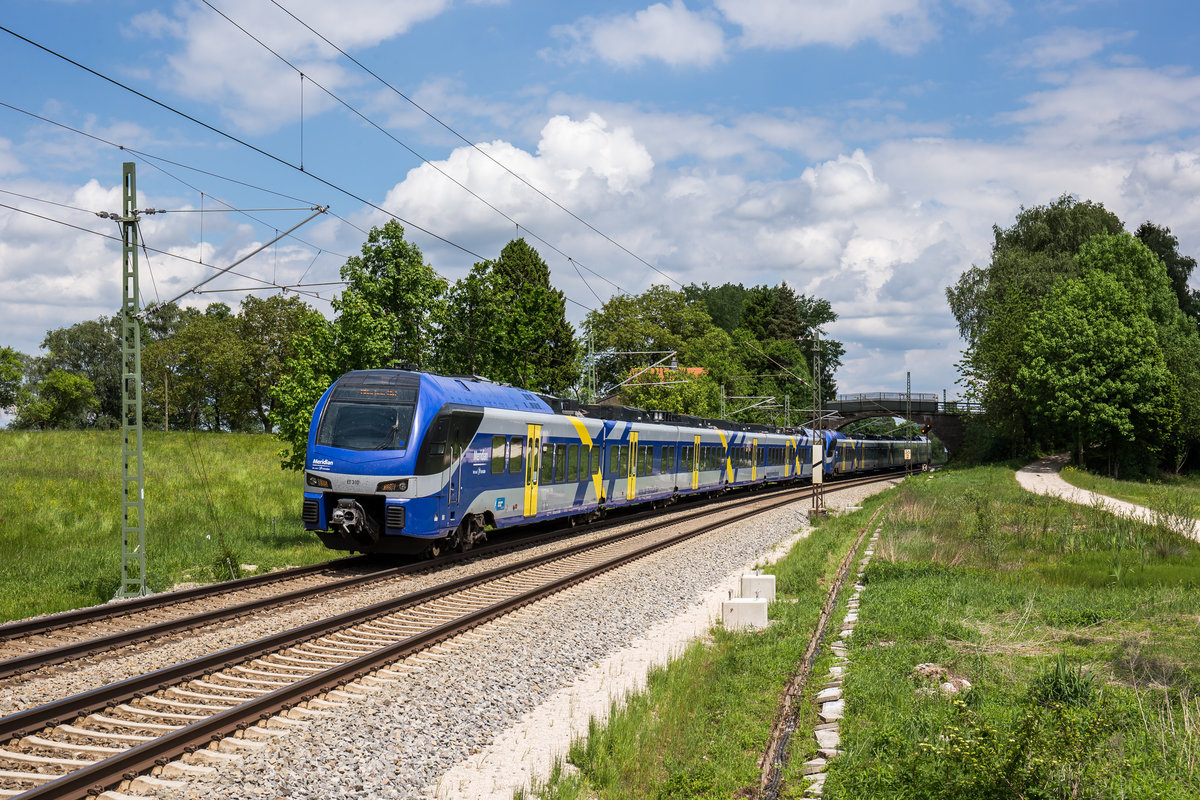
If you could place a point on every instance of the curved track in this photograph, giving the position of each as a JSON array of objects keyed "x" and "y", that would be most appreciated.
[{"x": 97, "y": 739}]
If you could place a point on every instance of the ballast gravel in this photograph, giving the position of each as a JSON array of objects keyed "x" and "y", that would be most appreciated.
[{"x": 400, "y": 739}]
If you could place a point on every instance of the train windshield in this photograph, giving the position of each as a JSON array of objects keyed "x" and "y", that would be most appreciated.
[{"x": 368, "y": 418}]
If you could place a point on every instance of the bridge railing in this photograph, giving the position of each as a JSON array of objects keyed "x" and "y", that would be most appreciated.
[{"x": 897, "y": 402}]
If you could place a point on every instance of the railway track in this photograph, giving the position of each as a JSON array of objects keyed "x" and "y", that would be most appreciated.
[
  {"x": 29, "y": 645},
  {"x": 206, "y": 709}
]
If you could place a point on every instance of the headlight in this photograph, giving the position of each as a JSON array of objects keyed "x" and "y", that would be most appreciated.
[
  {"x": 317, "y": 481},
  {"x": 393, "y": 486}
]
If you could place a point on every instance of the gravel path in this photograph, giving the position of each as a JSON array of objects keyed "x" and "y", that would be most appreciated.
[
  {"x": 496, "y": 699},
  {"x": 1041, "y": 477}
]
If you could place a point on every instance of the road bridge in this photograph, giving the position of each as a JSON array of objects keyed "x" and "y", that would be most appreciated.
[{"x": 946, "y": 418}]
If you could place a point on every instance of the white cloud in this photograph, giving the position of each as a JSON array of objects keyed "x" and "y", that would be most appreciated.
[
  {"x": 845, "y": 186},
  {"x": 582, "y": 163},
  {"x": 257, "y": 91},
  {"x": 9, "y": 163},
  {"x": 1111, "y": 105},
  {"x": 1066, "y": 46},
  {"x": 668, "y": 33},
  {"x": 898, "y": 25}
]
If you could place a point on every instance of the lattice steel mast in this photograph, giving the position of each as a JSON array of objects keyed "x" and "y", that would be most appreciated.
[{"x": 133, "y": 494}]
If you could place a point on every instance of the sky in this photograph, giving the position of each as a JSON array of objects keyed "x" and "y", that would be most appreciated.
[{"x": 860, "y": 150}]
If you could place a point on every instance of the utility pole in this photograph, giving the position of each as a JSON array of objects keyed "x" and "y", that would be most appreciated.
[
  {"x": 908, "y": 459},
  {"x": 818, "y": 448},
  {"x": 133, "y": 499}
]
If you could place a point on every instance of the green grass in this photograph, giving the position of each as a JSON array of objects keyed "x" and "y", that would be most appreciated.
[
  {"x": 1076, "y": 629},
  {"x": 1177, "y": 495},
  {"x": 704, "y": 720},
  {"x": 213, "y": 501}
]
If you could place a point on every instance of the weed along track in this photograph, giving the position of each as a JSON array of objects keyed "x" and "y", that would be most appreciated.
[
  {"x": 190, "y": 717},
  {"x": 774, "y": 757}
]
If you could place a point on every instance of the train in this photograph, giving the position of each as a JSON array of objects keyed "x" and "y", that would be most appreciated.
[{"x": 407, "y": 462}]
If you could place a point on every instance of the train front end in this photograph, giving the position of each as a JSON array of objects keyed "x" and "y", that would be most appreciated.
[{"x": 359, "y": 477}]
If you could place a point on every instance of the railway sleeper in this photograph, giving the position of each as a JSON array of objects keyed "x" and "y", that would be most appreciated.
[
  {"x": 262, "y": 733},
  {"x": 171, "y": 703},
  {"x": 221, "y": 687},
  {"x": 183, "y": 769},
  {"x": 26, "y": 777},
  {"x": 179, "y": 692},
  {"x": 117, "y": 723},
  {"x": 284, "y": 671},
  {"x": 148, "y": 784},
  {"x": 49, "y": 745},
  {"x": 150, "y": 712},
  {"x": 323, "y": 664},
  {"x": 209, "y": 755},
  {"x": 237, "y": 744},
  {"x": 258, "y": 681},
  {"x": 105, "y": 736},
  {"x": 29, "y": 758}
]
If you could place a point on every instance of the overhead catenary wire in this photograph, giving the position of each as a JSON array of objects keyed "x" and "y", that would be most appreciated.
[
  {"x": 266, "y": 284},
  {"x": 476, "y": 147},
  {"x": 273, "y": 157},
  {"x": 431, "y": 164},
  {"x": 153, "y": 161}
]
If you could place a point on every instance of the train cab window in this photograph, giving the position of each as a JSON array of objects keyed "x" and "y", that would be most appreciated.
[
  {"x": 516, "y": 453},
  {"x": 560, "y": 463},
  {"x": 595, "y": 460},
  {"x": 547, "y": 463},
  {"x": 573, "y": 463},
  {"x": 498, "y": 443}
]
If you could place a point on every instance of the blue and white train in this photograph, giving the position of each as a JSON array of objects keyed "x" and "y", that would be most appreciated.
[{"x": 410, "y": 462}]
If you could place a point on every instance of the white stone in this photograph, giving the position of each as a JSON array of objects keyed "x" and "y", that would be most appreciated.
[
  {"x": 744, "y": 612},
  {"x": 828, "y": 740},
  {"x": 834, "y": 709},
  {"x": 759, "y": 586},
  {"x": 832, "y": 693}
]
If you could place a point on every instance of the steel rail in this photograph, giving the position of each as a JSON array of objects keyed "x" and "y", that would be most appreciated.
[
  {"x": 111, "y": 771},
  {"x": 27, "y": 662},
  {"x": 106, "y": 611}
]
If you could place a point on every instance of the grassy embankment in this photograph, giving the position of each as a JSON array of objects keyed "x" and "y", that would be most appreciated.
[
  {"x": 213, "y": 501},
  {"x": 700, "y": 727},
  {"x": 1077, "y": 630}
]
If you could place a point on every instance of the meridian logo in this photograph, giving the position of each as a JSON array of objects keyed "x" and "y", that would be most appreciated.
[{"x": 322, "y": 462}]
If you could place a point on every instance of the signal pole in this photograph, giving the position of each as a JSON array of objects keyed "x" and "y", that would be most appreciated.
[
  {"x": 818, "y": 448},
  {"x": 133, "y": 494}
]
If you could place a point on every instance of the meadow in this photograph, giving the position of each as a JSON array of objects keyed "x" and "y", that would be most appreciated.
[
  {"x": 1077, "y": 630},
  {"x": 217, "y": 505}
]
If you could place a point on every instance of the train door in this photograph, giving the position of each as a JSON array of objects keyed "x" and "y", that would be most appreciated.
[
  {"x": 696, "y": 462},
  {"x": 533, "y": 456},
  {"x": 631, "y": 480},
  {"x": 459, "y": 433},
  {"x": 789, "y": 454},
  {"x": 754, "y": 460}
]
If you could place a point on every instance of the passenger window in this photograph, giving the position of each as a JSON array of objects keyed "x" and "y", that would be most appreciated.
[
  {"x": 624, "y": 462},
  {"x": 573, "y": 463},
  {"x": 614, "y": 458},
  {"x": 516, "y": 453},
  {"x": 560, "y": 463},
  {"x": 595, "y": 460},
  {"x": 498, "y": 443},
  {"x": 547, "y": 463}
]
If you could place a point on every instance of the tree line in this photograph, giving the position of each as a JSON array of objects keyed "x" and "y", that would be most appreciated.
[
  {"x": 263, "y": 366},
  {"x": 1081, "y": 336}
]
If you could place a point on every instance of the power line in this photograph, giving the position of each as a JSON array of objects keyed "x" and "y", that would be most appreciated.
[
  {"x": 149, "y": 159},
  {"x": 259, "y": 150},
  {"x": 476, "y": 147},
  {"x": 266, "y": 283},
  {"x": 408, "y": 148}
]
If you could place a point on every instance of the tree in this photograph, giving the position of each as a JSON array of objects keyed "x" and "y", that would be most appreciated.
[
  {"x": 92, "y": 349},
  {"x": 205, "y": 362},
  {"x": 60, "y": 400},
  {"x": 506, "y": 322},
  {"x": 1093, "y": 372},
  {"x": 660, "y": 320},
  {"x": 1179, "y": 267},
  {"x": 392, "y": 305},
  {"x": 11, "y": 373},
  {"x": 268, "y": 329},
  {"x": 778, "y": 314},
  {"x": 724, "y": 303},
  {"x": 388, "y": 315},
  {"x": 992, "y": 304}
]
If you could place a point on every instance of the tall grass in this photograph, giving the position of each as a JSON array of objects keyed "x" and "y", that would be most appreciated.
[{"x": 216, "y": 504}]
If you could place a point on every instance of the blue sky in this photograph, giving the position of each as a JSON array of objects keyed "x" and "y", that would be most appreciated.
[{"x": 859, "y": 150}]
